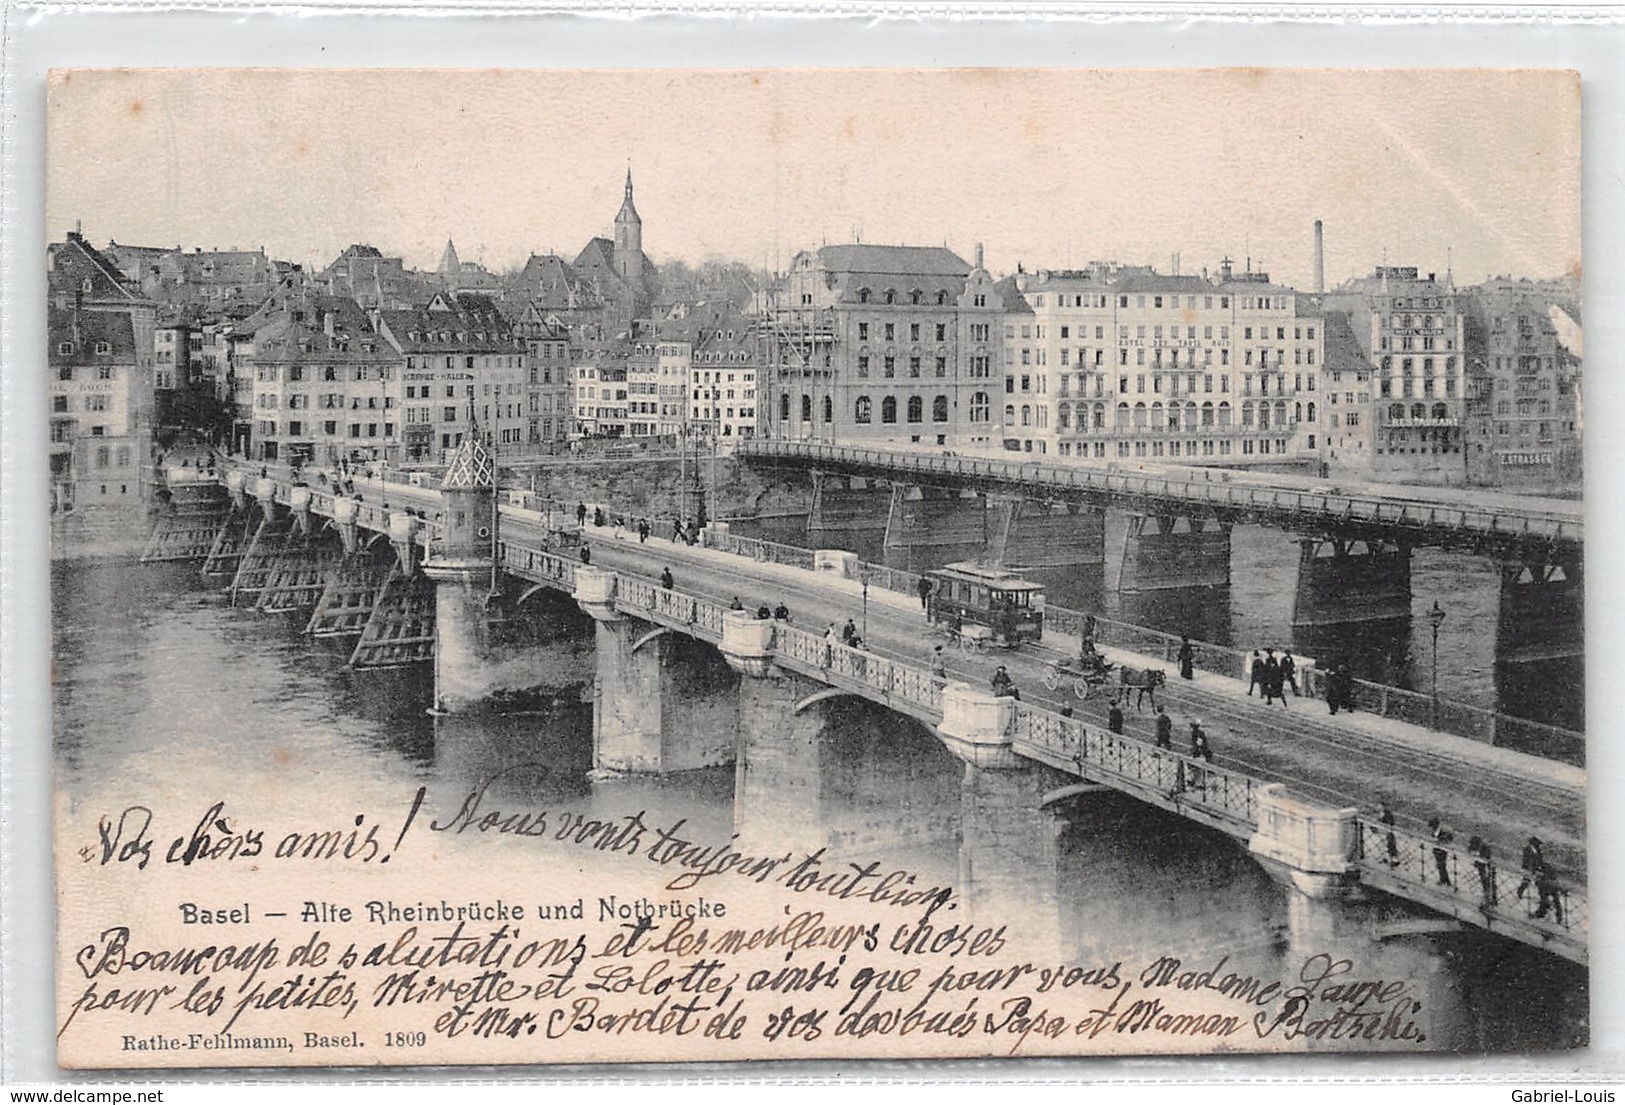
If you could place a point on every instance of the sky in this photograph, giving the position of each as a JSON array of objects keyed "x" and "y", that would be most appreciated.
[{"x": 1474, "y": 170}]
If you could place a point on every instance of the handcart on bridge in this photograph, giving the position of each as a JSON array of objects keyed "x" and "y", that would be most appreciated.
[{"x": 983, "y": 606}]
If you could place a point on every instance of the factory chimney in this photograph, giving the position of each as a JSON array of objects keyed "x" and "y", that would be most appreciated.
[{"x": 1320, "y": 258}]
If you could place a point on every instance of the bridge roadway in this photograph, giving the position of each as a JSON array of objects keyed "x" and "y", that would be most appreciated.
[
  {"x": 1473, "y": 520},
  {"x": 1479, "y": 790},
  {"x": 1358, "y": 760}
]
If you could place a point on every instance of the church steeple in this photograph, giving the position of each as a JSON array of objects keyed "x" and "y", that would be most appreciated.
[
  {"x": 449, "y": 265},
  {"x": 629, "y": 239}
]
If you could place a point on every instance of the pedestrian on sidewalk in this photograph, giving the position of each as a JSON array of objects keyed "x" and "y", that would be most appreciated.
[
  {"x": 666, "y": 580},
  {"x": 643, "y": 530},
  {"x": 736, "y": 604},
  {"x": 1187, "y": 658},
  {"x": 1442, "y": 836},
  {"x": 925, "y": 593},
  {"x": 1257, "y": 673},
  {"x": 1531, "y": 861},
  {"x": 676, "y": 528},
  {"x": 1550, "y": 896},
  {"x": 598, "y": 516},
  {"x": 1479, "y": 849},
  {"x": 849, "y": 633},
  {"x": 1200, "y": 749},
  {"x": 585, "y": 554},
  {"x": 829, "y": 644},
  {"x": 581, "y": 514},
  {"x": 1289, "y": 673},
  {"x": 1114, "y": 719},
  {"x": 1272, "y": 676},
  {"x": 939, "y": 665},
  {"x": 1385, "y": 816},
  {"x": 1165, "y": 729}
]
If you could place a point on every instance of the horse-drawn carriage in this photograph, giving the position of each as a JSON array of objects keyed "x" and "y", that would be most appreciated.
[
  {"x": 1083, "y": 674},
  {"x": 981, "y": 606}
]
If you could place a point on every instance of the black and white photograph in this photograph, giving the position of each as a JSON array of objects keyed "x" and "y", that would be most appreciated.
[{"x": 595, "y": 566}]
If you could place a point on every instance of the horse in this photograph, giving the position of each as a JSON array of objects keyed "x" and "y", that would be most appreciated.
[{"x": 1145, "y": 680}]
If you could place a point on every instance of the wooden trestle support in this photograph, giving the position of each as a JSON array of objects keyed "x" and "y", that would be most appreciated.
[
  {"x": 270, "y": 538},
  {"x": 400, "y": 629},
  {"x": 298, "y": 576},
  {"x": 229, "y": 544},
  {"x": 188, "y": 528},
  {"x": 348, "y": 596}
]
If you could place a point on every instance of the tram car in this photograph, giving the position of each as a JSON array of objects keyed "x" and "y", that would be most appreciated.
[{"x": 981, "y": 606}]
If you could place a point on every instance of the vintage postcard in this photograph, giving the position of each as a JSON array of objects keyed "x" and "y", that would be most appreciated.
[{"x": 588, "y": 566}]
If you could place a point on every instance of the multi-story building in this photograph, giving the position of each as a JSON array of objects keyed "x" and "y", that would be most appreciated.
[
  {"x": 601, "y": 395},
  {"x": 326, "y": 386},
  {"x": 83, "y": 282},
  {"x": 1347, "y": 418},
  {"x": 1410, "y": 329},
  {"x": 725, "y": 376},
  {"x": 1124, "y": 362},
  {"x": 465, "y": 371},
  {"x": 549, "y": 390},
  {"x": 100, "y": 439},
  {"x": 884, "y": 343},
  {"x": 1522, "y": 410}
]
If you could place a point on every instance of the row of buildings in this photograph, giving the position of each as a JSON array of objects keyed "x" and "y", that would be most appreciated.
[{"x": 1398, "y": 375}]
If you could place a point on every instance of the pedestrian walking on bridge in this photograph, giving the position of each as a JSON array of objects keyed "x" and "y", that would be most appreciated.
[
  {"x": 925, "y": 594},
  {"x": 1442, "y": 837},
  {"x": 1289, "y": 674},
  {"x": 666, "y": 580},
  {"x": 1257, "y": 673},
  {"x": 1187, "y": 658},
  {"x": 1114, "y": 719},
  {"x": 1165, "y": 729},
  {"x": 581, "y": 514}
]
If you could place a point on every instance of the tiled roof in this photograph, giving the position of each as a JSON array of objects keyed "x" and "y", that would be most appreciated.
[
  {"x": 1342, "y": 350},
  {"x": 894, "y": 260},
  {"x": 83, "y": 329},
  {"x": 470, "y": 467},
  {"x": 1014, "y": 302}
]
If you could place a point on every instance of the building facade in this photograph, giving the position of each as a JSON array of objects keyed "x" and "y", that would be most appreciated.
[
  {"x": 1112, "y": 362},
  {"x": 99, "y": 438},
  {"x": 1410, "y": 329},
  {"x": 884, "y": 344},
  {"x": 1523, "y": 404}
]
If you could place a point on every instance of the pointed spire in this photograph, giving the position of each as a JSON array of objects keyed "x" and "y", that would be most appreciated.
[
  {"x": 449, "y": 265},
  {"x": 629, "y": 211}
]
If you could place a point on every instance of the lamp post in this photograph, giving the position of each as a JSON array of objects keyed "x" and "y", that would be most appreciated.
[
  {"x": 1436, "y": 619},
  {"x": 863, "y": 577}
]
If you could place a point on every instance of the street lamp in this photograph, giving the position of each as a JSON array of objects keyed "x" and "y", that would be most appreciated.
[
  {"x": 1436, "y": 619},
  {"x": 863, "y": 577}
]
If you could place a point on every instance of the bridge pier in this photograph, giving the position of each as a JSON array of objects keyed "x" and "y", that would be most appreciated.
[
  {"x": 661, "y": 700},
  {"x": 933, "y": 526},
  {"x": 1344, "y": 582},
  {"x": 1029, "y": 533},
  {"x": 1163, "y": 552},
  {"x": 297, "y": 574},
  {"x": 1307, "y": 847},
  {"x": 843, "y": 507},
  {"x": 1009, "y": 839},
  {"x": 348, "y": 593},
  {"x": 781, "y": 762},
  {"x": 1542, "y": 611}
]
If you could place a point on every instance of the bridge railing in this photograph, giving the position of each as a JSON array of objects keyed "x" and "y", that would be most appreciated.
[
  {"x": 1446, "y": 872},
  {"x": 538, "y": 565},
  {"x": 1215, "y": 489},
  {"x": 892, "y": 679},
  {"x": 702, "y": 617},
  {"x": 759, "y": 549},
  {"x": 1107, "y": 757}
]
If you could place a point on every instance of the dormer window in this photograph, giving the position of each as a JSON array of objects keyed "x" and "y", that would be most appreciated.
[
  {"x": 87, "y": 286},
  {"x": 103, "y": 348},
  {"x": 942, "y": 299},
  {"x": 891, "y": 296},
  {"x": 65, "y": 348},
  {"x": 914, "y": 297},
  {"x": 863, "y": 295}
]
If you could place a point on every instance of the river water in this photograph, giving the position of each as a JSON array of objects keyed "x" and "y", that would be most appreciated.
[{"x": 157, "y": 681}]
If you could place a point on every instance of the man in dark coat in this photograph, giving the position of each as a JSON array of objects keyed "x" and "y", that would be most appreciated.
[
  {"x": 1289, "y": 674},
  {"x": 1165, "y": 729},
  {"x": 1114, "y": 718},
  {"x": 1272, "y": 677},
  {"x": 1257, "y": 673},
  {"x": 1187, "y": 658},
  {"x": 925, "y": 593}
]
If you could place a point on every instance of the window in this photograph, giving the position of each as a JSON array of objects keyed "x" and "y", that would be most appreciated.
[
  {"x": 861, "y": 410},
  {"x": 979, "y": 407},
  {"x": 863, "y": 331},
  {"x": 863, "y": 366},
  {"x": 888, "y": 409},
  {"x": 889, "y": 367},
  {"x": 829, "y": 410},
  {"x": 916, "y": 409}
]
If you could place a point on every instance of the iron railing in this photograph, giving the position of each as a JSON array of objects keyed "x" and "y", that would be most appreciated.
[
  {"x": 1446, "y": 871},
  {"x": 1209, "y": 488}
]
